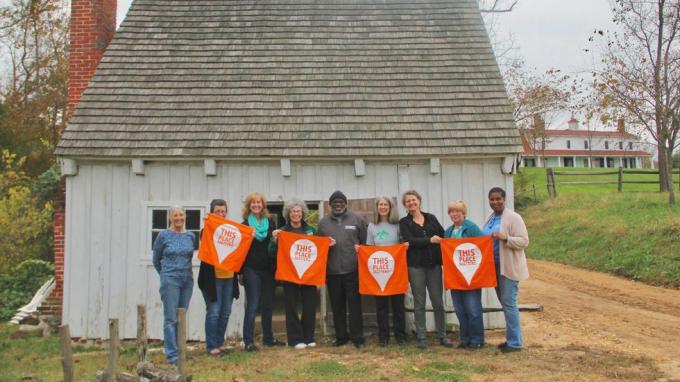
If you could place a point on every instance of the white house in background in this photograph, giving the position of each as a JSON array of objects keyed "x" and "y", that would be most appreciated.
[
  {"x": 577, "y": 147},
  {"x": 203, "y": 99}
]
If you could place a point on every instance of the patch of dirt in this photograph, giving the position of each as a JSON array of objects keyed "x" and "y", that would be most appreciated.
[{"x": 602, "y": 314}]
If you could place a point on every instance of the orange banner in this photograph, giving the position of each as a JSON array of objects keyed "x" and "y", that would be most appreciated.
[
  {"x": 225, "y": 243},
  {"x": 468, "y": 263},
  {"x": 301, "y": 259},
  {"x": 383, "y": 270}
]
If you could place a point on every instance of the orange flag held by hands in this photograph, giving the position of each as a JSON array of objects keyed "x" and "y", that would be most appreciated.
[
  {"x": 225, "y": 243},
  {"x": 301, "y": 259},
  {"x": 468, "y": 263},
  {"x": 383, "y": 270}
]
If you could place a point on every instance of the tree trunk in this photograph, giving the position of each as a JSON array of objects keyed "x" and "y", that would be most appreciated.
[{"x": 663, "y": 167}]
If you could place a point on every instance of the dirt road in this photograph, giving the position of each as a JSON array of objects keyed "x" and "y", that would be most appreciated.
[{"x": 598, "y": 313}]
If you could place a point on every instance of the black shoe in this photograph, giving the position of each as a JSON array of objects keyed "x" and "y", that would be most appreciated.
[
  {"x": 462, "y": 345},
  {"x": 445, "y": 343},
  {"x": 401, "y": 341},
  {"x": 474, "y": 346},
  {"x": 338, "y": 343},
  {"x": 274, "y": 342},
  {"x": 504, "y": 344},
  {"x": 251, "y": 347},
  {"x": 509, "y": 349},
  {"x": 422, "y": 344},
  {"x": 359, "y": 345},
  {"x": 383, "y": 342}
]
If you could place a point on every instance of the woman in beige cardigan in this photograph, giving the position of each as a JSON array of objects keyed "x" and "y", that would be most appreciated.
[{"x": 510, "y": 238}]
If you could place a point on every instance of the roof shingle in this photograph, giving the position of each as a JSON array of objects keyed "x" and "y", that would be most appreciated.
[{"x": 295, "y": 78}]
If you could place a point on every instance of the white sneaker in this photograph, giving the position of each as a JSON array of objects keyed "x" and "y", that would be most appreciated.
[
  {"x": 300, "y": 346},
  {"x": 311, "y": 344}
]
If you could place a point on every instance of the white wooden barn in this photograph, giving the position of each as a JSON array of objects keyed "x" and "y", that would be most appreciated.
[{"x": 202, "y": 99}]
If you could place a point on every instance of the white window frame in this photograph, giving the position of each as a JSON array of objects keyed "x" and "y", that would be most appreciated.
[{"x": 149, "y": 206}]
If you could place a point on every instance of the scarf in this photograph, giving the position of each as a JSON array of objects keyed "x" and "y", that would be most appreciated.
[{"x": 261, "y": 227}]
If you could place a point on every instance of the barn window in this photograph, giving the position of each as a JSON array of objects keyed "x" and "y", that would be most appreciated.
[
  {"x": 620, "y": 145},
  {"x": 630, "y": 145},
  {"x": 160, "y": 220},
  {"x": 606, "y": 145},
  {"x": 585, "y": 144},
  {"x": 568, "y": 144}
]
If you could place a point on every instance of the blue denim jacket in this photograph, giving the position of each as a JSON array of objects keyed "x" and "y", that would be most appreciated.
[{"x": 172, "y": 252}]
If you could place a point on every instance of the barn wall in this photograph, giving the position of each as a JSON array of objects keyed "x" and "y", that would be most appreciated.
[{"x": 108, "y": 269}]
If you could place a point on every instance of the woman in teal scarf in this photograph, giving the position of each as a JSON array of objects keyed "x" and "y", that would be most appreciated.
[{"x": 258, "y": 273}]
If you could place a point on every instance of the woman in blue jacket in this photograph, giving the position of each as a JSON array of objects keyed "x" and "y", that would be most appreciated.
[{"x": 467, "y": 303}]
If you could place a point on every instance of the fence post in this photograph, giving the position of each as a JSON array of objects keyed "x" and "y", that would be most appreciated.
[
  {"x": 66, "y": 353},
  {"x": 182, "y": 342},
  {"x": 620, "y": 183},
  {"x": 113, "y": 350},
  {"x": 552, "y": 192},
  {"x": 533, "y": 185},
  {"x": 141, "y": 333}
]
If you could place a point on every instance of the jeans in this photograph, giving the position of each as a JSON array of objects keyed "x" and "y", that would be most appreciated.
[
  {"x": 429, "y": 278},
  {"x": 175, "y": 293},
  {"x": 343, "y": 291},
  {"x": 259, "y": 286},
  {"x": 300, "y": 329},
  {"x": 382, "y": 311},
  {"x": 217, "y": 313},
  {"x": 468, "y": 306},
  {"x": 507, "y": 291}
]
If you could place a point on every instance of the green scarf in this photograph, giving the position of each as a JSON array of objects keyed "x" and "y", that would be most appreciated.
[{"x": 261, "y": 227}]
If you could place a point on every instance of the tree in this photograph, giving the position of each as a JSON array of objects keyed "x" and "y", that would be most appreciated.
[
  {"x": 34, "y": 93},
  {"x": 640, "y": 76},
  {"x": 544, "y": 94}
]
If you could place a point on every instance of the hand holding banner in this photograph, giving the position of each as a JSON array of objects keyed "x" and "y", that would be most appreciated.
[
  {"x": 383, "y": 270},
  {"x": 224, "y": 243},
  {"x": 468, "y": 263},
  {"x": 301, "y": 259}
]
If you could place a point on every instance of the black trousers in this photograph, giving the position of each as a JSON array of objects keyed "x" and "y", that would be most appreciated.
[
  {"x": 344, "y": 293},
  {"x": 382, "y": 310},
  {"x": 300, "y": 330}
]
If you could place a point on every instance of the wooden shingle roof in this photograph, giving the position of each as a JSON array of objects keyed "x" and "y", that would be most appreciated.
[{"x": 295, "y": 78}]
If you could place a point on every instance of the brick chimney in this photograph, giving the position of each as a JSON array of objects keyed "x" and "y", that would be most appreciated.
[
  {"x": 573, "y": 123},
  {"x": 621, "y": 126},
  {"x": 93, "y": 23}
]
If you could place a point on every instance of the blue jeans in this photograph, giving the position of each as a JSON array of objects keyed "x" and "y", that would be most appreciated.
[
  {"x": 175, "y": 293},
  {"x": 507, "y": 291},
  {"x": 217, "y": 313},
  {"x": 468, "y": 306},
  {"x": 259, "y": 286}
]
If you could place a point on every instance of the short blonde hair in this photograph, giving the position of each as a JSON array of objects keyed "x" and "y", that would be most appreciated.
[
  {"x": 249, "y": 199},
  {"x": 457, "y": 205},
  {"x": 392, "y": 216},
  {"x": 172, "y": 210}
]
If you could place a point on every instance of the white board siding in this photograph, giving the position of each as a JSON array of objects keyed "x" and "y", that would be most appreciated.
[{"x": 108, "y": 269}]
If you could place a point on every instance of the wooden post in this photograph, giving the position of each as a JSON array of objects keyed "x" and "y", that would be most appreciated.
[
  {"x": 113, "y": 350},
  {"x": 182, "y": 342},
  {"x": 66, "y": 353},
  {"x": 620, "y": 184},
  {"x": 552, "y": 192},
  {"x": 141, "y": 333},
  {"x": 533, "y": 185}
]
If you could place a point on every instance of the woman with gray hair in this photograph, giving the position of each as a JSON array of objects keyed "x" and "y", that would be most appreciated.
[
  {"x": 172, "y": 253},
  {"x": 385, "y": 231},
  {"x": 300, "y": 330}
]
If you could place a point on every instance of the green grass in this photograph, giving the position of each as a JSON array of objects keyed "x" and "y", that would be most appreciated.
[
  {"x": 531, "y": 183},
  {"x": 631, "y": 234},
  {"x": 443, "y": 371}
]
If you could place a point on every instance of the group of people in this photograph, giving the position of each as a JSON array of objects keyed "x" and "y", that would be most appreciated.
[{"x": 173, "y": 252}]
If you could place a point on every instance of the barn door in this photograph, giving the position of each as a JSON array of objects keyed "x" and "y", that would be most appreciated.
[{"x": 366, "y": 209}]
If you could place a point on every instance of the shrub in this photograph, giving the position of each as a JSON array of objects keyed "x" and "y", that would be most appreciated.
[{"x": 18, "y": 287}]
